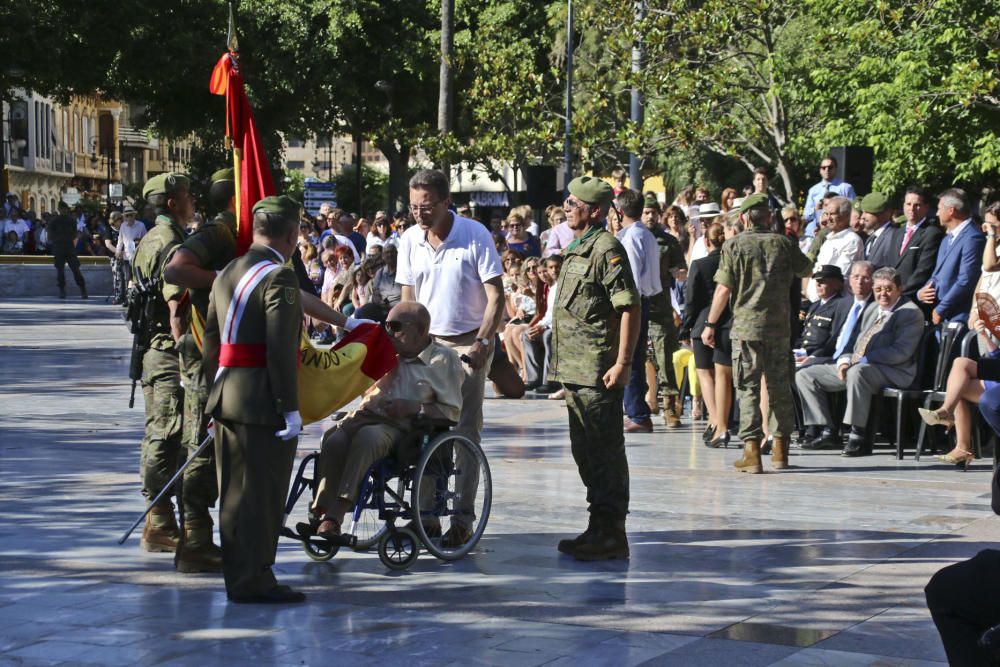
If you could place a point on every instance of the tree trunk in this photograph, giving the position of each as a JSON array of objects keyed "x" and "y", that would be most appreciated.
[
  {"x": 398, "y": 156},
  {"x": 445, "y": 94}
]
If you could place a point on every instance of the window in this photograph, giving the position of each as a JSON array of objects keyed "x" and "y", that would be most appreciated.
[
  {"x": 321, "y": 165},
  {"x": 297, "y": 164},
  {"x": 295, "y": 142}
]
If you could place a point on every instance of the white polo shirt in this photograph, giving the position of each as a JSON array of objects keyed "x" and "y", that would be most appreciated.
[
  {"x": 449, "y": 281},
  {"x": 643, "y": 256}
]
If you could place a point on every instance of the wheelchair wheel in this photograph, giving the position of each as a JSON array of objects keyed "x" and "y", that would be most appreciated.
[
  {"x": 453, "y": 489},
  {"x": 319, "y": 551},
  {"x": 371, "y": 527},
  {"x": 398, "y": 550}
]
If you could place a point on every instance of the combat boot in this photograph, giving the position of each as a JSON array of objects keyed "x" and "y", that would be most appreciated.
[
  {"x": 779, "y": 452},
  {"x": 197, "y": 552},
  {"x": 567, "y": 546},
  {"x": 672, "y": 411},
  {"x": 750, "y": 462},
  {"x": 83, "y": 292},
  {"x": 607, "y": 542},
  {"x": 160, "y": 533}
]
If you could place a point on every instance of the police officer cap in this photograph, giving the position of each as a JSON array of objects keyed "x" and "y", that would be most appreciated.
[
  {"x": 223, "y": 175},
  {"x": 753, "y": 201},
  {"x": 651, "y": 202},
  {"x": 591, "y": 190},
  {"x": 875, "y": 203},
  {"x": 165, "y": 184},
  {"x": 283, "y": 205},
  {"x": 829, "y": 272}
]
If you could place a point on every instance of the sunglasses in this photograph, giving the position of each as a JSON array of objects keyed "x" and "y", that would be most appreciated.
[{"x": 394, "y": 326}]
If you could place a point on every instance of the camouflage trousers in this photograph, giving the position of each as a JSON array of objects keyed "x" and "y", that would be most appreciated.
[
  {"x": 772, "y": 360},
  {"x": 663, "y": 343},
  {"x": 596, "y": 419},
  {"x": 201, "y": 485}
]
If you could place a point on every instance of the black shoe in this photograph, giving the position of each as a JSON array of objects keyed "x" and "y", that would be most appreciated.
[
  {"x": 531, "y": 386},
  {"x": 709, "y": 432},
  {"x": 567, "y": 546},
  {"x": 857, "y": 444},
  {"x": 277, "y": 595},
  {"x": 547, "y": 388},
  {"x": 607, "y": 542},
  {"x": 828, "y": 440},
  {"x": 719, "y": 441}
]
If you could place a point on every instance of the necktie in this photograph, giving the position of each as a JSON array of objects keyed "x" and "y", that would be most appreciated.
[
  {"x": 906, "y": 238},
  {"x": 862, "y": 345},
  {"x": 845, "y": 333}
]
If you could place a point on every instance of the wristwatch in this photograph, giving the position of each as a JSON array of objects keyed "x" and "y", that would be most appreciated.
[
  {"x": 710, "y": 325},
  {"x": 485, "y": 342}
]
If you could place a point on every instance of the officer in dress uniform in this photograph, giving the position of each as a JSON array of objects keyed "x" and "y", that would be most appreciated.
[
  {"x": 819, "y": 339},
  {"x": 252, "y": 352},
  {"x": 594, "y": 331},
  {"x": 193, "y": 266},
  {"x": 161, "y": 452}
]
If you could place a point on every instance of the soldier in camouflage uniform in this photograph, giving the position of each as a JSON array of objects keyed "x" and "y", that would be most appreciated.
[
  {"x": 755, "y": 275},
  {"x": 594, "y": 331},
  {"x": 161, "y": 452},
  {"x": 194, "y": 266},
  {"x": 662, "y": 327}
]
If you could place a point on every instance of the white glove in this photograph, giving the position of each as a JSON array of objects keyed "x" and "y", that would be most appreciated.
[
  {"x": 293, "y": 426},
  {"x": 351, "y": 324},
  {"x": 211, "y": 428}
]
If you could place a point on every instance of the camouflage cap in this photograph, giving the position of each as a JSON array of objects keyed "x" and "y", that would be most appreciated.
[
  {"x": 753, "y": 201},
  {"x": 165, "y": 184},
  {"x": 223, "y": 175},
  {"x": 875, "y": 203},
  {"x": 591, "y": 190},
  {"x": 283, "y": 205}
]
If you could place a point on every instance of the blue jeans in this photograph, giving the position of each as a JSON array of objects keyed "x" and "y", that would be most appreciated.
[{"x": 635, "y": 391}]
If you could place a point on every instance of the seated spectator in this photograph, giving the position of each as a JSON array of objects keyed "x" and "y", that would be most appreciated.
[
  {"x": 841, "y": 245},
  {"x": 314, "y": 269},
  {"x": 363, "y": 276},
  {"x": 18, "y": 224},
  {"x": 518, "y": 238},
  {"x": 12, "y": 245},
  {"x": 386, "y": 292},
  {"x": 819, "y": 337},
  {"x": 536, "y": 339},
  {"x": 381, "y": 233},
  {"x": 917, "y": 243},
  {"x": 524, "y": 301},
  {"x": 876, "y": 219},
  {"x": 959, "y": 258},
  {"x": 560, "y": 235},
  {"x": 884, "y": 355},
  {"x": 511, "y": 262},
  {"x": 427, "y": 380}
]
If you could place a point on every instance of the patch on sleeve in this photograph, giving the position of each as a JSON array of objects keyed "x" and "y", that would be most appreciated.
[
  {"x": 291, "y": 294},
  {"x": 614, "y": 260}
]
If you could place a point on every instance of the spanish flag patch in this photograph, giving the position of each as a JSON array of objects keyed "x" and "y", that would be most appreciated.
[{"x": 615, "y": 260}]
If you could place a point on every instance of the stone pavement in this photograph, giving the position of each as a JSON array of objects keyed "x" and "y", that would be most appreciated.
[{"x": 823, "y": 564}]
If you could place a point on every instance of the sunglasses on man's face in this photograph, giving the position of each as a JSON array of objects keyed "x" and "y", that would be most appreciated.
[{"x": 394, "y": 326}]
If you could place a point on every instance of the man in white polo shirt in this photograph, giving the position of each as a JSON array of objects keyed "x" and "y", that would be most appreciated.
[{"x": 450, "y": 265}]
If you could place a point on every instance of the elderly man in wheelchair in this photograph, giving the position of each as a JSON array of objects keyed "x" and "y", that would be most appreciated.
[{"x": 421, "y": 396}]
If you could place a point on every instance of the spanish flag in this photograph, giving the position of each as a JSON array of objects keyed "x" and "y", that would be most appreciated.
[{"x": 253, "y": 181}]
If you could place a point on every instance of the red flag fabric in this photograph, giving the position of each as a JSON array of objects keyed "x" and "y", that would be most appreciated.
[{"x": 249, "y": 160}]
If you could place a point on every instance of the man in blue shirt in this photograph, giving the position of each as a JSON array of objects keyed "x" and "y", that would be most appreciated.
[{"x": 828, "y": 183}]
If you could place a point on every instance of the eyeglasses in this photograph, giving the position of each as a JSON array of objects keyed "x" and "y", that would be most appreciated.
[
  {"x": 826, "y": 166},
  {"x": 394, "y": 326},
  {"x": 517, "y": 226},
  {"x": 573, "y": 204},
  {"x": 423, "y": 209}
]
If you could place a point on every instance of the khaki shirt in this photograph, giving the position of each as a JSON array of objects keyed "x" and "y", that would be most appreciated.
[
  {"x": 151, "y": 257},
  {"x": 595, "y": 285},
  {"x": 759, "y": 266},
  {"x": 438, "y": 366}
]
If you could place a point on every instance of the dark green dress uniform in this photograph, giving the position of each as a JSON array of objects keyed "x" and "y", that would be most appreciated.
[
  {"x": 214, "y": 245},
  {"x": 662, "y": 328},
  {"x": 595, "y": 284},
  {"x": 248, "y": 400},
  {"x": 759, "y": 266},
  {"x": 161, "y": 380}
]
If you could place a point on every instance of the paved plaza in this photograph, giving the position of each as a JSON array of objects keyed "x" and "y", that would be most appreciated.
[{"x": 823, "y": 564}]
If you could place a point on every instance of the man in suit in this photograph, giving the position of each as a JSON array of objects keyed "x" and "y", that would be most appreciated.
[
  {"x": 959, "y": 261},
  {"x": 916, "y": 244},
  {"x": 883, "y": 355},
  {"x": 876, "y": 219},
  {"x": 252, "y": 337}
]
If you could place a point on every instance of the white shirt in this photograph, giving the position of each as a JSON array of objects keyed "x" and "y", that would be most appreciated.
[
  {"x": 532, "y": 228},
  {"x": 839, "y": 249},
  {"x": 128, "y": 237},
  {"x": 699, "y": 249},
  {"x": 643, "y": 256},
  {"x": 953, "y": 233},
  {"x": 449, "y": 281},
  {"x": 550, "y": 305},
  {"x": 19, "y": 227}
]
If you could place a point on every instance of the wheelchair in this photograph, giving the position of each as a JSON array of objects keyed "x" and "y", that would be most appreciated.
[{"x": 437, "y": 481}]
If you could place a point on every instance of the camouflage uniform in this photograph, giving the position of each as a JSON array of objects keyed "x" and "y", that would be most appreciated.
[
  {"x": 214, "y": 245},
  {"x": 759, "y": 266},
  {"x": 662, "y": 328},
  {"x": 594, "y": 285},
  {"x": 161, "y": 452}
]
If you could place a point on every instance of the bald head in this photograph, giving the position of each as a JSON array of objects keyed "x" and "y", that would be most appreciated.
[{"x": 413, "y": 313}]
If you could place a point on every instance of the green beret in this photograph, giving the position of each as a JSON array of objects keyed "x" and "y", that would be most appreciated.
[
  {"x": 856, "y": 204},
  {"x": 753, "y": 201},
  {"x": 283, "y": 205},
  {"x": 875, "y": 203},
  {"x": 591, "y": 190},
  {"x": 223, "y": 175},
  {"x": 651, "y": 202},
  {"x": 165, "y": 184}
]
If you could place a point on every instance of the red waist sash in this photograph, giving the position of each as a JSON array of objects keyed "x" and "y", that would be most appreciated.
[{"x": 246, "y": 355}]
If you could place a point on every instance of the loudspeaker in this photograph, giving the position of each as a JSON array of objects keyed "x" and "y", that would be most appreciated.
[
  {"x": 856, "y": 165},
  {"x": 540, "y": 187}
]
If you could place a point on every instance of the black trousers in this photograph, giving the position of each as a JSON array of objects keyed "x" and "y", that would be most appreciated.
[{"x": 964, "y": 601}]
